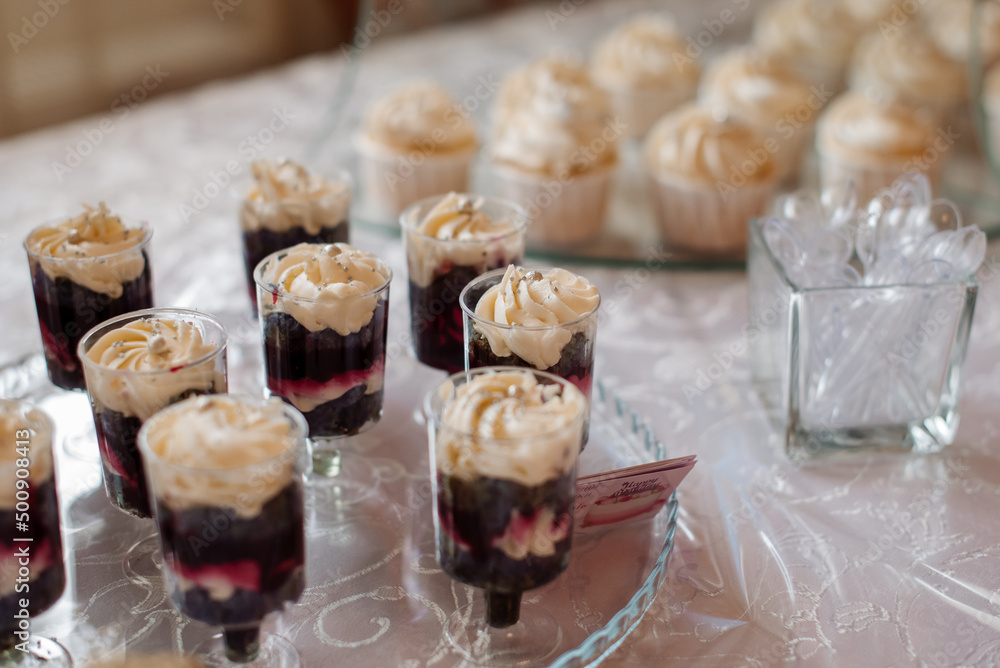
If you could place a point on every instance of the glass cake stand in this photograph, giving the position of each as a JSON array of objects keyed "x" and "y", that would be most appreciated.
[{"x": 374, "y": 588}]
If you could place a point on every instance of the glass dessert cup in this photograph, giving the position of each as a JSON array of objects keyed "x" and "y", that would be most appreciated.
[
  {"x": 498, "y": 532},
  {"x": 439, "y": 269},
  {"x": 122, "y": 399},
  {"x": 233, "y": 539},
  {"x": 576, "y": 358},
  {"x": 66, "y": 308},
  {"x": 29, "y": 504},
  {"x": 335, "y": 380},
  {"x": 269, "y": 226}
]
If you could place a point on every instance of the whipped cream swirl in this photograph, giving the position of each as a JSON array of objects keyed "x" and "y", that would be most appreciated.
[
  {"x": 813, "y": 36},
  {"x": 690, "y": 143},
  {"x": 95, "y": 250},
  {"x": 325, "y": 286},
  {"x": 551, "y": 118},
  {"x": 22, "y": 422},
  {"x": 142, "y": 366},
  {"x": 419, "y": 115},
  {"x": 538, "y": 312},
  {"x": 505, "y": 424},
  {"x": 646, "y": 52},
  {"x": 285, "y": 196},
  {"x": 855, "y": 128},
  {"x": 458, "y": 231},
  {"x": 221, "y": 451}
]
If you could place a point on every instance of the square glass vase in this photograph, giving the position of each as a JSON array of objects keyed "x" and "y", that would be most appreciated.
[{"x": 860, "y": 367}]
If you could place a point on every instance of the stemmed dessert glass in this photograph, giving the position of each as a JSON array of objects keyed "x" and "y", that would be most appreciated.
[
  {"x": 503, "y": 514},
  {"x": 565, "y": 349},
  {"x": 123, "y": 397},
  {"x": 440, "y": 268},
  {"x": 334, "y": 379},
  {"x": 72, "y": 294},
  {"x": 288, "y": 205},
  {"x": 226, "y": 481},
  {"x": 29, "y": 507}
]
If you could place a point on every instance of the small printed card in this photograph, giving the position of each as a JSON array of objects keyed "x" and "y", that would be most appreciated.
[{"x": 627, "y": 495}]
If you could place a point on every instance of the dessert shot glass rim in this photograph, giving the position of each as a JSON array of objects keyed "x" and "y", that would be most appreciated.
[
  {"x": 579, "y": 420},
  {"x": 531, "y": 328},
  {"x": 239, "y": 191},
  {"x": 756, "y": 231},
  {"x": 131, "y": 316},
  {"x": 271, "y": 289},
  {"x": 520, "y": 220},
  {"x": 300, "y": 436},
  {"x": 143, "y": 225}
]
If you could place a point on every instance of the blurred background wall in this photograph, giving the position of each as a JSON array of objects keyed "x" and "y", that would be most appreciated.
[{"x": 61, "y": 59}]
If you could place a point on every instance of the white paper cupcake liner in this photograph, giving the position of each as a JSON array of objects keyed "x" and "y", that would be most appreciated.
[
  {"x": 869, "y": 179},
  {"x": 560, "y": 213},
  {"x": 698, "y": 217},
  {"x": 392, "y": 180}
]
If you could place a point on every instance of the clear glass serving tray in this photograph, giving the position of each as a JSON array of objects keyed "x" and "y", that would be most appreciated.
[{"x": 375, "y": 594}]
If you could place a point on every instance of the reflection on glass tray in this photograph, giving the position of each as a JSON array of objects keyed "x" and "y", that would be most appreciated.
[
  {"x": 631, "y": 236},
  {"x": 374, "y": 590}
]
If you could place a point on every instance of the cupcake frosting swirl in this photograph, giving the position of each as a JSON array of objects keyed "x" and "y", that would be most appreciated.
[
  {"x": 20, "y": 422},
  {"x": 326, "y": 286},
  {"x": 759, "y": 88},
  {"x": 145, "y": 346},
  {"x": 530, "y": 304},
  {"x": 418, "y": 115},
  {"x": 457, "y": 230},
  {"x": 220, "y": 451},
  {"x": 856, "y": 128},
  {"x": 806, "y": 33},
  {"x": 91, "y": 250},
  {"x": 648, "y": 51},
  {"x": 692, "y": 144},
  {"x": 509, "y": 426},
  {"x": 551, "y": 118},
  {"x": 285, "y": 196},
  {"x": 907, "y": 66}
]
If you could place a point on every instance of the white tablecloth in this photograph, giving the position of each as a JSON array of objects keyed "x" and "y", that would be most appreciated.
[{"x": 869, "y": 560}]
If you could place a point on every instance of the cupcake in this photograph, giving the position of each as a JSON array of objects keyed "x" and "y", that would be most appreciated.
[
  {"x": 769, "y": 95},
  {"x": 645, "y": 68},
  {"x": 907, "y": 66},
  {"x": 707, "y": 177},
  {"x": 875, "y": 142},
  {"x": 949, "y": 23},
  {"x": 815, "y": 37},
  {"x": 416, "y": 142},
  {"x": 287, "y": 205},
  {"x": 554, "y": 148}
]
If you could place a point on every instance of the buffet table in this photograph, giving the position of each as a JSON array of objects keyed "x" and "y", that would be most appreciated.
[{"x": 858, "y": 560}]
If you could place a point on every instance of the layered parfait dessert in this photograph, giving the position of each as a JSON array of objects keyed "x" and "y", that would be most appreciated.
[
  {"x": 287, "y": 205},
  {"x": 503, "y": 457},
  {"x": 450, "y": 241},
  {"x": 30, "y": 517},
  {"x": 543, "y": 319},
  {"x": 83, "y": 271},
  {"x": 324, "y": 310},
  {"x": 135, "y": 365},
  {"x": 225, "y": 474}
]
